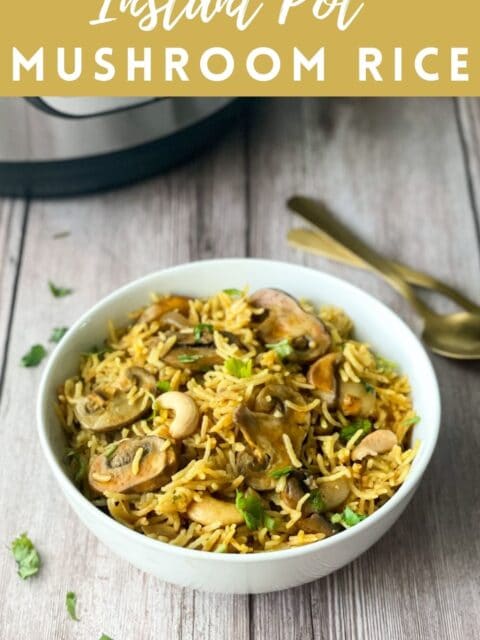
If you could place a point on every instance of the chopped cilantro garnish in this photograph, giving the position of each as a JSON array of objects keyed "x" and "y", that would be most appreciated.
[
  {"x": 58, "y": 333},
  {"x": 387, "y": 366},
  {"x": 110, "y": 450},
  {"x": 200, "y": 328},
  {"x": 356, "y": 425},
  {"x": 283, "y": 349},
  {"x": 80, "y": 465},
  {"x": 105, "y": 637},
  {"x": 33, "y": 358},
  {"x": 163, "y": 385},
  {"x": 239, "y": 368},
  {"x": 411, "y": 421},
  {"x": 26, "y": 556},
  {"x": 253, "y": 512},
  {"x": 59, "y": 292},
  {"x": 71, "y": 603},
  {"x": 188, "y": 358},
  {"x": 96, "y": 351},
  {"x": 316, "y": 501},
  {"x": 278, "y": 473},
  {"x": 233, "y": 293},
  {"x": 368, "y": 387},
  {"x": 270, "y": 522},
  {"x": 348, "y": 518}
]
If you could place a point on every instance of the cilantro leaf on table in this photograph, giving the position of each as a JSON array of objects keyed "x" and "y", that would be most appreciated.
[
  {"x": 26, "y": 556},
  {"x": 71, "y": 603},
  {"x": 58, "y": 333},
  {"x": 59, "y": 292},
  {"x": 33, "y": 358}
]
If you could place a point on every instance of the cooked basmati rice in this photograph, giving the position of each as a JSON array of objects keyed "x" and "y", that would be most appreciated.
[{"x": 211, "y": 458}]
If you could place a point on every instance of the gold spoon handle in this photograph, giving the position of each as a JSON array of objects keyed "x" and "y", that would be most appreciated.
[
  {"x": 317, "y": 213},
  {"x": 321, "y": 244}
]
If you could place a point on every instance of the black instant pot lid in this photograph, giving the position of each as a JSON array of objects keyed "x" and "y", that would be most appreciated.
[{"x": 96, "y": 173}]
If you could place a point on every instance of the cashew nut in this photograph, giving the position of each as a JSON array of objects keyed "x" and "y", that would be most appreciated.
[
  {"x": 379, "y": 441},
  {"x": 210, "y": 510},
  {"x": 186, "y": 413}
]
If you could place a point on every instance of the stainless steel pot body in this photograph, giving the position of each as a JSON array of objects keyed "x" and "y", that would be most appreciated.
[{"x": 63, "y": 146}]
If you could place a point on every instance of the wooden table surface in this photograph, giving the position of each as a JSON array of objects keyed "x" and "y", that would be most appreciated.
[{"x": 406, "y": 175}]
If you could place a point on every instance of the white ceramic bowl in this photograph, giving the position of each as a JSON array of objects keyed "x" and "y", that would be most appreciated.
[{"x": 260, "y": 572}]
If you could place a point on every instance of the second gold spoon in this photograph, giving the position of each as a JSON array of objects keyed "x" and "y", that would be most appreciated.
[
  {"x": 323, "y": 245},
  {"x": 454, "y": 335}
]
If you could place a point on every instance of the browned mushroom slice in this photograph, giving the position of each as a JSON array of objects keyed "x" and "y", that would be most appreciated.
[
  {"x": 117, "y": 473},
  {"x": 184, "y": 339},
  {"x": 286, "y": 320},
  {"x": 170, "y": 303},
  {"x": 99, "y": 414},
  {"x": 316, "y": 524},
  {"x": 322, "y": 375},
  {"x": 293, "y": 492},
  {"x": 334, "y": 492},
  {"x": 355, "y": 400},
  {"x": 176, "y": 320},
  {"x": 142, "y": 378},
  {"x": 264, "y": 435},
  {"x": 194, "y": 358},
  {"x": 272, "y": 398}
]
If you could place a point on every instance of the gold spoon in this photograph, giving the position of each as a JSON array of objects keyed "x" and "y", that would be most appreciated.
[
  {"x": 319, "y": 243},
  {"x": 454, "y": 335}
]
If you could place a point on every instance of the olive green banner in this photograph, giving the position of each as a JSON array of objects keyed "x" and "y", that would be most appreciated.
[{"x": 239, "y": 47}]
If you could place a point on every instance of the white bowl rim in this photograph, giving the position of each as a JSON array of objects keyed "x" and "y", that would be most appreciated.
[{"x": 413, "y": 478}]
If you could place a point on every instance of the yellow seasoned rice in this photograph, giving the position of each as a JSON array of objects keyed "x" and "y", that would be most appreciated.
[{"x": 209, "y": 460}]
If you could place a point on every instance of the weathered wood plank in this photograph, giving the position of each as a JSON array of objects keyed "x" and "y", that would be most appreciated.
[
  {"x": 12, "y": 217},
  {"x": 468, "y": 113},
  {"x": 113, "y": 238},
  {"x": 394, "y": 170}
]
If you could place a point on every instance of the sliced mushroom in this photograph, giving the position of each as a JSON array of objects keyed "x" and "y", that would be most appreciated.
[
  {"x": 334, "y": 492},
  {"x": 189, "y": 339},
  {"x": 193, "y": 358},
  {"x": 286, "y": 319},
  {"x": 187, "y": 415},
  {"x": 377, "y": 442},
  {"x": 322, "y": 375},
  {"x": 293, "y": 492},
  {"x": 142, "y": 378},
  {"x": 272, "y": 398},
  {"x": 355, "y": 400},
  {"x": 264, "y": 433},
  {"x": 175, "y": 319},
  {"x": 316, "y": 524},
  {"x": 211, "y": 511},
  {"x": 99, "y": 414},
  {"x": 115, "y": 472},
  {"x": 170, "y": 303}
]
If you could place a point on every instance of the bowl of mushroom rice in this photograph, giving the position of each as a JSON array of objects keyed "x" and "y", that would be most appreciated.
[{"x": 264, "y": 416}]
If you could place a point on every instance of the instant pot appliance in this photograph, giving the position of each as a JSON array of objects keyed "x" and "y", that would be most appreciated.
[{"x": 64, "y": 146}]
